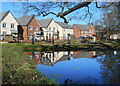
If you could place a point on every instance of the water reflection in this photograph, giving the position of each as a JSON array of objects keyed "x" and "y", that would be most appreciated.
[
  {"x": 50, "y": 58},
  {"x": 79, "y": 67}
]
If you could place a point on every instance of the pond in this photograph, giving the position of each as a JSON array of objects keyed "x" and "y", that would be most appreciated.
[{"x": 78, "y": 67}]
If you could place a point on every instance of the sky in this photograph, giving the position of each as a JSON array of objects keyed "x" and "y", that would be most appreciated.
[{"x": 4, "y": 6}]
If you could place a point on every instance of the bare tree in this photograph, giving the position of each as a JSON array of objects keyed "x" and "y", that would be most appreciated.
[
  {"x": 59, "y": 9},
  {"x": 110, "y": 22}
]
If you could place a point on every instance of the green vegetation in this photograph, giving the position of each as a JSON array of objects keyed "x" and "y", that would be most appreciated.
[{"x": 20, "y": 69}]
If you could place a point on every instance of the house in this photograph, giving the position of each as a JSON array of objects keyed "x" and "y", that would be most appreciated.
[
  {"x": 29, "y": 26},
  {"x": 8, "y": 24},
  {"x": 64, "y": 29},
  {"x": 79, "y": 54},
  {"x": 83, "y": 30},
  {"x": 49, "y": 28},
  {"x": 48, "y": 58},
  {"x": 115, "y": 36}
]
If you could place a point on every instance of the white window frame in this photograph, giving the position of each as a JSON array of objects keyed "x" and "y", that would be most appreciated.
[
  {"x": 92, "y": 31},
  {"x": 4, "y": 25},
  {"x": 85, "y": 31},
  {"x": 12, "y": 25},
  {"x": 36, "y": 27},
  {"x": 89, "y": 31},
  {"x": 82, "y": 31},
  {"x": 30, "y": 28}
]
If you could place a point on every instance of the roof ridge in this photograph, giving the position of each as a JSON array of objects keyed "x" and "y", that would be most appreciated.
[{"x": 26, "y": 16}]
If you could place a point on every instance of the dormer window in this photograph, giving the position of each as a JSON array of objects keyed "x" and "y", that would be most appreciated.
[
  {"x": 4, "y": 24},
  {"x": 12, "y": 25}
]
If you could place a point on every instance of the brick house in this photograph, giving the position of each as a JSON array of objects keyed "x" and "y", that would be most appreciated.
[
  {"x": 83, "y": 30},
  {"x": 28, "y": 26}
]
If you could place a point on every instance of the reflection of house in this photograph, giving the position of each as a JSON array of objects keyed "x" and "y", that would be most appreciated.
[
  {"x": 8, "y": 24},
  {"x": 35, "y": 55},
  {"x": 49, "y": 27},
  {"x": 79, "y": 54},
  {"x": 64, "y": 30},
  {"x": 83, "y": 30},
  {"x": 28, "y": 26},
  {"x": 49, "y": 58}
]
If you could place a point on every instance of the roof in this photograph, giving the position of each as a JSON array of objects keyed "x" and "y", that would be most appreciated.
[
  {"x": 25, "y": 20},
  {"x": 83, "y": 55},
  {"x": 82, "y": 27},
  {"x": 3, "y": 15},
  {"x": 64, "y": 25},
  {"x": 45, "y": 22}
]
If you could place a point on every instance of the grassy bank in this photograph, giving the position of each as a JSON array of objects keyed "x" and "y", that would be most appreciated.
[{"x": 19, "y": 69}]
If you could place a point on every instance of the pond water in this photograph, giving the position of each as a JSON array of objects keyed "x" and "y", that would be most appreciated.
[{"x": 79, "y": 67}]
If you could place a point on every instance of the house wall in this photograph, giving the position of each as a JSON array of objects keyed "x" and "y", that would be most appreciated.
[
  {"x": 64, "y": 32},
  {"x": 48, "y": 32},
  {"x": 27, "y": 32},
  {"x": 78, "y": 33},
  {"x": 8, "y": 20}
]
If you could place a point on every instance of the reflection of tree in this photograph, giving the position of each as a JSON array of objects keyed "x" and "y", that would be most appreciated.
[{"x": 110, "y": 68}]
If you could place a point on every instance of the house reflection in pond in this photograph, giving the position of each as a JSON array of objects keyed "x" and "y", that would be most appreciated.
[
  {"x": 50, "y": 58},
  {"x": 79, "y": 54}
]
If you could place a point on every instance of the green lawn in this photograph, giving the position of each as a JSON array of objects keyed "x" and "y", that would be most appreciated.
[{"x": 20, "y": 69}]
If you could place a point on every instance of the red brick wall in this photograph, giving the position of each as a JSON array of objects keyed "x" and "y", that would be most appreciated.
[
  {"x": 77, "y": 32},
  {"x": 33, "y": 23},
  {"x": 26, "y": 30}
]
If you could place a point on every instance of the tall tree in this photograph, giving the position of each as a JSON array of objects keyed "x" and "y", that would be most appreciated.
[{"x": 110, "y": 22}]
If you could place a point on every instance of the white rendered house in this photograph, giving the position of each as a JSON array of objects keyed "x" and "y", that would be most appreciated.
[{"x": 8, "y": 24}]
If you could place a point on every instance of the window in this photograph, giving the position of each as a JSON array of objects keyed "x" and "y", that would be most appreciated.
[
  {"x": 4, "y": 24},
  {"x": 36, "y": 56},
  {"x": 50, "y": 28},
  {"x": 12, "y": 25},
  {"x": 49, "y": 36},
  {"x": 4, "y": 32},
  {"x": 36, "y": 28},
  {"x": 89, "y": 31},
  {"x": 82, "y": 32},
  {"x": 85, "y": 31},
  {"x": 30, "y": 27},
  {"x": 30, "y": 34},
  {"x": 53, "y": 29},
  {"x": 92, "y": 31},
  {"x": 64, "y": 36}
]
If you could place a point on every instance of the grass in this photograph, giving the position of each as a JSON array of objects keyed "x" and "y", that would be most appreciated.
[{"x": 20, "y": 69}]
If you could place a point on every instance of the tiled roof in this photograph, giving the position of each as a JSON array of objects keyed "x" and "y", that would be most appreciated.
[
  {"x": 45, "y": 22},
  {"x": 64, "y": 25},
  {"x": 3, "y": 15},
  {"x": 25, "y": 20},
  {"x": 82, "y": 27}
]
